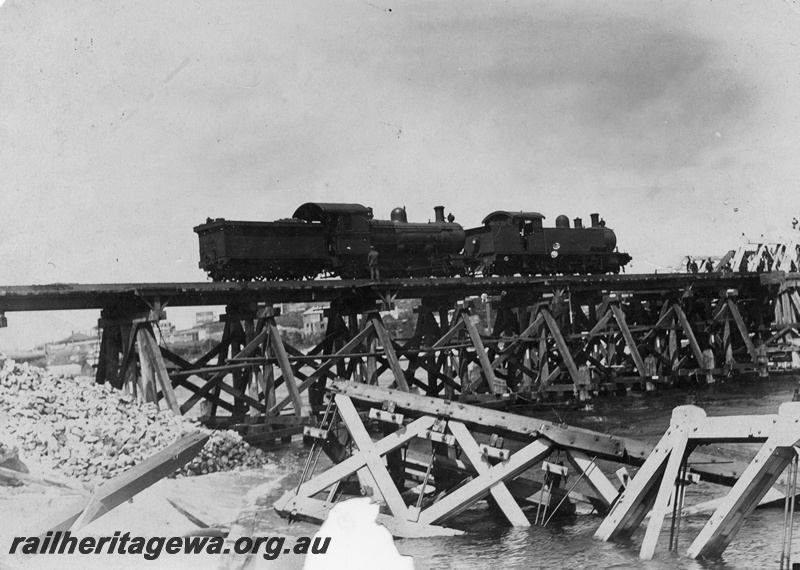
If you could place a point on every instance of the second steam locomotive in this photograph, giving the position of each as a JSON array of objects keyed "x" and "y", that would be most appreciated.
[{"x": 336, "y": 239}]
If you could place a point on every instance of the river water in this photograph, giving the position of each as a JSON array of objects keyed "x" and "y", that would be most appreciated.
[{"x": 567, "y": 541}]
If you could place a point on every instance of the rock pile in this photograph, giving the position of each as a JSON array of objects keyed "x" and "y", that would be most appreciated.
[{"x": 92, "y": 432}]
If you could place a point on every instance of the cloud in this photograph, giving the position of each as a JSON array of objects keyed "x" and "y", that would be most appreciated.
[{"x": 125, "y": 125}]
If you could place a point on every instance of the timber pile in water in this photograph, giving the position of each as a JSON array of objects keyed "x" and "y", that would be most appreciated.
[{"x": 93, "y": 432}]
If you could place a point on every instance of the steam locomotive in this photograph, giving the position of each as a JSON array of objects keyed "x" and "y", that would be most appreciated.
[{"x": 336, "y": 239}]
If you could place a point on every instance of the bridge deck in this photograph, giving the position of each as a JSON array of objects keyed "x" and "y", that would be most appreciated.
[{"x": 65, "y": 296}]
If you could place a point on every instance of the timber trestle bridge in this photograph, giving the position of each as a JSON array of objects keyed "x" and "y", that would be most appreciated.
[
  {"x": 478, "y": 343},
  {"x": 479, "y": 340}
]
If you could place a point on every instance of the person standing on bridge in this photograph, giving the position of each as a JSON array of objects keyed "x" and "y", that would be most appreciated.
[{"x": 372, "y": 261}]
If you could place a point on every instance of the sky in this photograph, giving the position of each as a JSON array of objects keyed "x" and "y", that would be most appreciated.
[{"x": 125, "y": 124}]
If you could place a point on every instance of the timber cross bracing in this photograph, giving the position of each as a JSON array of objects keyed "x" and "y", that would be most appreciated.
[{"x": 483, "y": 341}]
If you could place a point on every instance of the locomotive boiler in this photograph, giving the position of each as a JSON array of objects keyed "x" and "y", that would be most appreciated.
[{"x": 332, "y": 239}]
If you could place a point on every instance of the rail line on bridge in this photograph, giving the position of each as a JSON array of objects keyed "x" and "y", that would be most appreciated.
[{"x": 481, "y": 340}]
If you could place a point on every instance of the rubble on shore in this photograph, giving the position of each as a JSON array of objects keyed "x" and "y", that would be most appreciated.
[{"x": 92, "y": 432}]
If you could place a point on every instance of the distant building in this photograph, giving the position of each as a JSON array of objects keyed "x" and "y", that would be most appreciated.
[
  {"x": 314, "y": 321},
  {"x": 77, "y": 348},
  {"x": 74, "y": 341},
  {"x": 165, "y": 327},
  {"x": 203, "y": 318},
  {"x": 190, "y": 336}
]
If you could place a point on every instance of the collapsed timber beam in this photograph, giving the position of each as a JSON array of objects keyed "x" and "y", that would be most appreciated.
[
  {"x": 513, "y": 426},
  {"x": 475, "y": 453}
]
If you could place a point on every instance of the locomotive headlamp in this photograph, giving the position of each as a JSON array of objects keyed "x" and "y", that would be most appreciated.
[
  {"x": 554, "y": 254},
  {"x": 556, "y": 246}
]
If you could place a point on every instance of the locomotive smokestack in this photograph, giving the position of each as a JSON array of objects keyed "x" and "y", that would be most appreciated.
[
  {"x": 595, "y": 220},
  {"x": 439, "y": 214},
  {"x": 578, "y": 223}
]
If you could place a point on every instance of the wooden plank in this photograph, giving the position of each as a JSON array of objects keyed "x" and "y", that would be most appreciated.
[
  {"x": 197, "y": 515},
  {"x": 727, "y": 344},
  {"x": 211, "y": 397},
  {"x": 604, "y": 446},
  {"x": 687, "y": 330},
  {"x": 104, "y": 361},
  {"x": 216, "y": 381},
  {"x": 528, "y": 333},
  {"x": 481, "y": 464},
  {"x": 300, "y": 409},
  {"x": 148, "y": 348},
  {"x": 27, "y": 478},
  {"x": 626, "y": 334},
  {"x": 737, "y": 317},
  {"x": 474, "y": 490},
  {"x": 638, "y": 497},
  {"x": 325, "y": 366},
  {"x": 357, "y": 460},
  {"x": 93, "y": 510},
  {"x": 126, "y": 372},
  {"x": 245, "y": 525},
  {"x": 601, "y": 324},
  {"x": 147, "y": 380},
  {"x": 121, "y": 488},
  {"x": 372, "y": 458},
  {"x": 746, "y": 429},
  {"x": 666, "y": 489},
  {"x": 180, "y": 380},
  {"x": 492, "y": 421},
  {"x": 740, "y": 502},
  {"x": 724, "y": 261},
  {"x": 371, "y": 365},
  {"x": 562, "y": 347},
  {"x": 594, "y": 476},
  {"x": 758, "y": 478},
  {"x": 480, "y": 351},
  {"x": 316, "y": 510},
  {"x": 204, "y": 372},
  {"x": 543, "y": 364},
  {"x": 795, "y": 297},
  {"x": 388, "y": 349}
]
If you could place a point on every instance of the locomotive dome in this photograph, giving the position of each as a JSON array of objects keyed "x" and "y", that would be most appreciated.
[{"x": 399, "y": 215}]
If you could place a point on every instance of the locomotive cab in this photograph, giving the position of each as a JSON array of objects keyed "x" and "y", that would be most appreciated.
[
  {"x": 346, "y": 228},
  {"x": 504, "y": 239}
]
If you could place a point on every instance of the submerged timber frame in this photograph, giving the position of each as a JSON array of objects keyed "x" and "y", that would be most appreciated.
[
  {"x": 659, "y": 485},
  {"x": 518, "y": 461},
  {"x": 475, "y": 340}
]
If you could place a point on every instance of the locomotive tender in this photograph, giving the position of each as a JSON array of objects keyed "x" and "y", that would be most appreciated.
[{"x": 336, "y": 239}]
